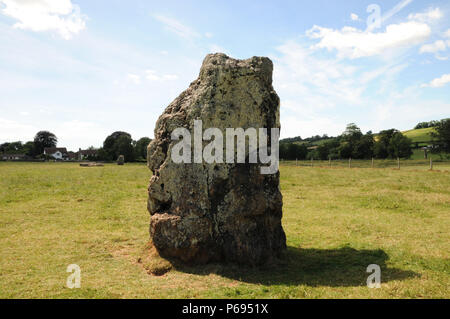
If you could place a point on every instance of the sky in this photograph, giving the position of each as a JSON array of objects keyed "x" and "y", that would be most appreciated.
[{"x": 83, "y": 69}]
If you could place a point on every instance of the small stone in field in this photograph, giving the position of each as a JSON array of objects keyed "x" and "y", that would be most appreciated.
[{"x": 120, "y": 160}]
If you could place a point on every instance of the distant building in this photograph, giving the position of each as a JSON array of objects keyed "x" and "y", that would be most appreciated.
[
  {"x": 13, "y": 157},
  {"x": 72, "y": 156},
  {"x": 84, "y": 154},
  {"x": 58, "y": 153}
]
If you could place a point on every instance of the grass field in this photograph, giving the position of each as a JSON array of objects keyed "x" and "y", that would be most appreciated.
[
  {"x": 337, "y": 222},
  {"x": 420, "y": 135}
]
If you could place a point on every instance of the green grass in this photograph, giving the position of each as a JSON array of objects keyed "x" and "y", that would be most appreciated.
[
  {"x": 337, "y": 222},
  {"x": 418, "y": 154},
  {"x": 420, "y": 135},
  {"x": 423, "y": 136}
]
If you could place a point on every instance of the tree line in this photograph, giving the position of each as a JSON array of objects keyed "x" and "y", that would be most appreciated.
[
  {"x": 352, "y": 143},
  {"x": 33, "y": 148},
  {"x": 121, "y": 143},
  {"x": 118, "y": 143},
  {"x": 426, "y": 124}
]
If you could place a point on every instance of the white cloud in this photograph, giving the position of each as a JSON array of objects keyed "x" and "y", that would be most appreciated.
[
  {"x": 437, "y": 46},
  {"x": 11, "y": 130},
  {"x": 177, "y": 27},
  {"x": 80, "y": 87},
  {"x": 214, "y": 48},
  {"x": 438, "y": 82},
  {"x": 396, "y": 9},
  {"x": 170, "y": 76},
  {"x": 305, "y": 127},
  {"x": 321, "y": 93},
  {"x": 354, "y": 17},
  {"x": 354, "y": 43},
  {"x": 208, "y": 35},
  {"x": 46, "y": 15},
  {"x": 442, "y": 58},
  {"x": 152, "y": 75},
  {"x": 429, "y": 16},
  {"x": 76, "y": 134},
  {"x": 136, "y": 79},
  {"x": 299, "y": 69},
  {"x": 310, "y": 88},
  {"x": 404, "y": 114},
  {"x": 447, "y": 33}
]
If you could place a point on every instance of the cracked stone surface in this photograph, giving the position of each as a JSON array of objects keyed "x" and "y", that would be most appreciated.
[{"x": 217, "y": 212}]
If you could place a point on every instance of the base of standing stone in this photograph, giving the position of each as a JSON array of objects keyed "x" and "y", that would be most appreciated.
[{"x": 152, "y": 262}]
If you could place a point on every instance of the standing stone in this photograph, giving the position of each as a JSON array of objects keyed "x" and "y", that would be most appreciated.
[
  {"x": 120, "y": 160},
  {"x": 217, "y": 212}
]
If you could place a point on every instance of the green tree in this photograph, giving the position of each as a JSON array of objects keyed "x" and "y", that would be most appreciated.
[
  {"x": 381, "y": 147},
  {"x": 28, "y": 148},
  {"x": 4, "y": 147},
  {"x": 350, "y": 139},
  {"x": 426, "y": 124},
  {"x": 124, "y": 147},
  {"x": 443, "y": 135},
  {"x": 363, "y": 148},
  {"x": 140, "y": 149},
  {"x": 11, "y": 148},
  {"x": 352, "y": 133},
  {"x": 323, "y": 151},
  {"x": 345, "y": 150},
  {"x": 328, "y": 149},
  {"x": 116, "y": 143},
  {"x": 297, "y": 151},
  {"x": 42, "y": 140},
  {"x": 292, "y": 151},
  {"x": 400, "y": 146},
  {"x": 283, "y": 151},
  {"x": 102, "y": 155}
]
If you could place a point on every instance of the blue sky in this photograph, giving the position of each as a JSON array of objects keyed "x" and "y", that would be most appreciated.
[{"x": 83, "y": 69}]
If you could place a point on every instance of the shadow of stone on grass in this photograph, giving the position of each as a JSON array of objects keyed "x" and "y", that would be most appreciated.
[{"x": 342, "y": 267}]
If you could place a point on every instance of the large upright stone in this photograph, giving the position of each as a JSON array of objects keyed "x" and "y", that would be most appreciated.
[{"x": 217, "y": 212}]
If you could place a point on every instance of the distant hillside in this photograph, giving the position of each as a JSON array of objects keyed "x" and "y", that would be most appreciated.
[{"x": 420, "y": 135}]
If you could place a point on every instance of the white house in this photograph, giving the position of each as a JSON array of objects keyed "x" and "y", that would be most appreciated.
[
  {"x": 59, "y": 153},
  {"x": 13, "y": 157}
]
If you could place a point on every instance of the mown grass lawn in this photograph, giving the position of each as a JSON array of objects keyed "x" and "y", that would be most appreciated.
[{"x": 337, "y": 222}]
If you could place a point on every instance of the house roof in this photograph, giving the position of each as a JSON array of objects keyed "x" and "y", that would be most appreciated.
[
  {"x": 53, "y": 150},
  {"x": 88, "y": 152}
]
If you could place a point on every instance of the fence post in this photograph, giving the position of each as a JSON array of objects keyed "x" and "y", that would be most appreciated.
[
  {"x": 296, "y": 164},
  {"x": 350, "y": 162},
  {"x": 372, "y": 162},
  {"x": 312, "y": 161},
  {"x": 398, "y": 162},
  {"x": 431, "y": 163},
  {"x": 329, "y": 161}
]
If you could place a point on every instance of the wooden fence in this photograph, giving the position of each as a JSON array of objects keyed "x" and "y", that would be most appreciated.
[{"x": 430, "y": 163}]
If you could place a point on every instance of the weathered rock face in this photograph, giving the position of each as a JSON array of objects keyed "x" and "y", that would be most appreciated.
[{"x": 220, "y": 211}]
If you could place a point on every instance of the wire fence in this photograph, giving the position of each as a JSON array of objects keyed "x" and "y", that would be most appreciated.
[{"x": 425, "y": 164}]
